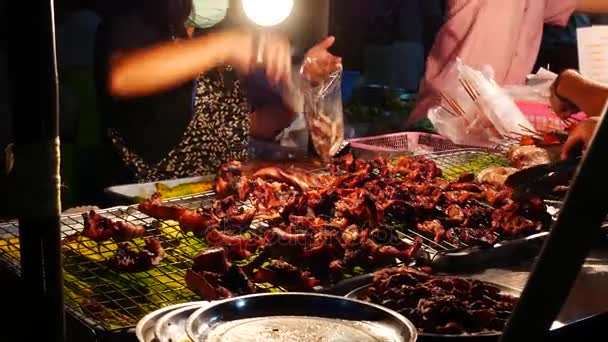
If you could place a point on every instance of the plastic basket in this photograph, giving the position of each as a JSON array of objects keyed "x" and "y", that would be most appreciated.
[
  {"x": 415, "y": 142},
  {"x": 543, "y": 119}
]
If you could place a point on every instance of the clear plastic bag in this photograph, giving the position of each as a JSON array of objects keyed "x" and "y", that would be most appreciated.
[
  {"x": 323, "y": 111},
  {"x": 536, "y": 90},
  {"x": 475, "y": 111}
]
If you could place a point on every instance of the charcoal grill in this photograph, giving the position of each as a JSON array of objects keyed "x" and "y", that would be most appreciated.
[{"x": 107, "y": 301}]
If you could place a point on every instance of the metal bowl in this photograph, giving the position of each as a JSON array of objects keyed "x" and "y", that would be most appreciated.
[
  {"x": 489, "y": 336},
  {"x": 145, "y": 328},
  {"x": 278, "y": 317},
  {"x": 172, "y": 326}
]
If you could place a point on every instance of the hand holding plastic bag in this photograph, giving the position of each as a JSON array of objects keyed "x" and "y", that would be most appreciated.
[
  {"x": 323, "y": 106},
  {"x": 474, "y": 110}
]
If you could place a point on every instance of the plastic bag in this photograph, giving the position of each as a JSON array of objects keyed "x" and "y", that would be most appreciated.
[
  {"x": 536, "y": 90},
  {"x": 475, "y": 111},
  {"x": 323, "y": 112},
  {"x": 296, "y": 135}
]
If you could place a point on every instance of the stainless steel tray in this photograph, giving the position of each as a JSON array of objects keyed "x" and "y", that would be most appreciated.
[
  {"x": 144, "y": 331},
  {"x": 298, "y": 317},
  {"x": 127, "y": 193},
  {"x": 172, "y": 325}
]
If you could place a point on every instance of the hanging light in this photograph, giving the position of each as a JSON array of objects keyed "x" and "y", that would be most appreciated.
[{"x": 267, "y": 12}]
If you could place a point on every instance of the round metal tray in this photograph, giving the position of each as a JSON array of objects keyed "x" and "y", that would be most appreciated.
[
  {"x": 145, "y": 328},
  {"x": 279, "y": 317},
  {"x": 172, "y": 326},
  {"x": 490, "y": 336}
]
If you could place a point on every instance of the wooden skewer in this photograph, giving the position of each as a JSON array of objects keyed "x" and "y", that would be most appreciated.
[
  {"x": 464, "y": 85},
  {"x": 452, "y": 104},
  {"x": 468, "y": 87},
  {"x": 456, "y": 105},
  {"x": 439, "y": 103},
  {"x": 448, "y": 111},
  {"x": 528, "y": 130}
]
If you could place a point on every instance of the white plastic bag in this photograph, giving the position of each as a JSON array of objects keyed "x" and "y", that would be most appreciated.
[
  {"x": 296, "y": 135},
  {"x": 536, "y": 90},
  {"x": 475, "y": 111}
]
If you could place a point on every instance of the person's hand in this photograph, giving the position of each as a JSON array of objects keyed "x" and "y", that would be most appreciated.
[
  {"x": 319, "y": 62},
  {"x": 579, "y": 138},
  {"x": 272, "y": 51},
  {"x": 563, "y": 107}
]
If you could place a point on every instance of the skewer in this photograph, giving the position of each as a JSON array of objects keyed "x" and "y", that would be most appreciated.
[
  {"x": 467, "y": 89},
  {"x": 448, "y": 111},
  {"x": 455, "y": 104},
  {"x": 529, "y": 130},
  {"x": 451, "y": 104},
  {"x": 439, "y": 103},
  {"x": 470, "y": 89}
]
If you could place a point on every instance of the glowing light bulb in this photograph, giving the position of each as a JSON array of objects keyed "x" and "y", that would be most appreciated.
[{"x": 267, "y": 12}]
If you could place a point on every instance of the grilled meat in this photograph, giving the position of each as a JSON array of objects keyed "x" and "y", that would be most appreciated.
[
  {"x": 359, "y": 207},
  {"x": 287, "y": 276},
  {"x": 471, "y": 237},
  {"x": 213, "y": 277},
  {"x": 154, "y": 207},
  {"x": 99, "y": 228},
  {"x": 527, "y": 156},
  {"x": 443, "y": 305},
  {"x": 433, "y": 228},
  {"x": 300, "y": 179},
  {"x": 211, "y": 260},
  {"x": 231, "y": 181},
  {"x": 237, "y": 246},
  {"x": 129, "y": 261},
  {"x": 495, "y": 176}
]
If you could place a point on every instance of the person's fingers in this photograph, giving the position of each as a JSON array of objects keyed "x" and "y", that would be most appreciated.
[
  {"x": 271, "y": 58},
  {"x": 326, "y": 43},
  {"x": 283, "y": 64},
  {"x": 573, "y": 142}
]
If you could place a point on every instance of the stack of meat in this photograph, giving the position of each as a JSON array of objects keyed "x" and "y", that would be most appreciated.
[
  {"x": 441, "y": 305},
  {"x": 323, "y": 228}
]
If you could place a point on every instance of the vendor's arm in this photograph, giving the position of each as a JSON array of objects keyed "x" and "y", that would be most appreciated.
[
  {"x": 164, "y": 66},
  {"x": 142, "y": 60},
  {"x": 592, "y": 6},
  {"x": 573, "y": 92}
]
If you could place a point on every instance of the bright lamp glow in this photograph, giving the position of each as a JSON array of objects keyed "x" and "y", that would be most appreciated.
[{"x": 267, "y": 12}]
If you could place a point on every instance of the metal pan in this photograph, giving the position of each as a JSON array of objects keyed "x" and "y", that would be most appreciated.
[
  {"x": 145, "y": 328},
  {"x": 482, "y": 337},
  {"x": 298, "y": 317},
  {"x": 172, "y": 326}
]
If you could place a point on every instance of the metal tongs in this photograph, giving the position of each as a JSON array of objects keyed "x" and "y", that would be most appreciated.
[{"x": 542, "y": 180}]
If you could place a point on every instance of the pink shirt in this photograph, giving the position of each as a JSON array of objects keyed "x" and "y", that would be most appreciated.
[{"x": 505, "y": 34}]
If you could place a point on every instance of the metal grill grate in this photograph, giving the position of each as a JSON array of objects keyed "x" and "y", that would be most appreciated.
[
  {"x": 458, "y": 162},
  {"x": 454, "y": 164},
  {"x": 107, "y": 300}
]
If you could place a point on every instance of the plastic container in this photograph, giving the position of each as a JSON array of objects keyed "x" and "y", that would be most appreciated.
[
  {"x": 414, "y": 142},
  {"x": 541, "y": 116}
]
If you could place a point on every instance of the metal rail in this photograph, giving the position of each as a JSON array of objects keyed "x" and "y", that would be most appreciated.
[{"x": 32, "y": 65}]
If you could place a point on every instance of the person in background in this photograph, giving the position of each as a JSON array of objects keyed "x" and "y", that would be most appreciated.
[
  {"x": 503, "y": 34},
  {"x": 572, "y": 93},
  {"x": 558, "y": 49},
  {"x": 168, "y": 78}
]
